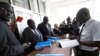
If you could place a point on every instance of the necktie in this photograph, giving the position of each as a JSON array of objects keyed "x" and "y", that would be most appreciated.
[
  {"x": 81, "y": 31},
  {"x": 77, "y": 47},
  {"x": 48, "y": 28},
  {"x": 38, "y": 34}
]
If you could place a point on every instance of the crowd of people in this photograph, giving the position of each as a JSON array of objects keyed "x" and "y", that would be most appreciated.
[{"x": 83, "y": 28}]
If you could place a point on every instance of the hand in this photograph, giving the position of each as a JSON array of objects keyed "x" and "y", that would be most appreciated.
[
  {"x": 73, "y": 37},
  {"x": 25, "y": 45},
  {"x": 46, "y": 36}
]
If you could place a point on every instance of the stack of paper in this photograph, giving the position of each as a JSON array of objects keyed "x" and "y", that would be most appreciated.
[
  {"x": 68, "y": 43},
  {"x": 40, "y": 45}
]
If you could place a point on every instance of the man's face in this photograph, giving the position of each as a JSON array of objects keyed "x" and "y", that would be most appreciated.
[
  {"x": 45, "y": 20},
  {"x": 32, "y": 25},
  {"x": 80, "y": 19},
  {"x": 6, "y": 13}
]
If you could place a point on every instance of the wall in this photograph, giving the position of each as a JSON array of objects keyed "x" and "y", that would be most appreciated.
[{"x": 59, "y": 11}]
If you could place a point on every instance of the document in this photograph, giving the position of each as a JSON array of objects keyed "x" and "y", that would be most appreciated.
[
  {"x": 40, "y": 45},
  {"x": 68, "y": 43},
  {"x": 52, "y": 39}
]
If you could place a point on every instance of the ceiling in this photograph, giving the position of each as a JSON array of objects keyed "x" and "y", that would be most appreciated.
[{"x": 53, "y": 1}]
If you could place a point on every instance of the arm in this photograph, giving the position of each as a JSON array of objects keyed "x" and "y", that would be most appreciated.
[
  {"x": 6, "y": 48},
  {"x": 90, "y": 43}
]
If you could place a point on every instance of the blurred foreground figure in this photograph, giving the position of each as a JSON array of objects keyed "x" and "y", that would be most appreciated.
[{"x": 9, "y": 45}]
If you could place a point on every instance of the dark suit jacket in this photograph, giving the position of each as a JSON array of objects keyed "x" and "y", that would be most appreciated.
[
  {"x": 43, "y": 29},
  {"x": 56, "y": 31},
  {"x": 9, "y": 45},
  {"x": 29, "y": 36}
]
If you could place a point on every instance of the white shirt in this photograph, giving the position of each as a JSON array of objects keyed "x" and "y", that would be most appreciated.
[{"x": 91, "y": 32}]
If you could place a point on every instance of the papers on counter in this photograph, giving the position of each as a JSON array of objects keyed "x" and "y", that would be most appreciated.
[{"x": 68, "y": 43}]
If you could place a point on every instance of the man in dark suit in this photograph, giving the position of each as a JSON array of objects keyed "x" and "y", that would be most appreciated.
[
  {"x": 9, "y": 45},
  {"x": 45, "y": 28},
  {"x": 31, "y": 35}
]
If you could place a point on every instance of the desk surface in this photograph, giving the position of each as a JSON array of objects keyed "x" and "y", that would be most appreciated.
[{"x": 54, "y": 50}]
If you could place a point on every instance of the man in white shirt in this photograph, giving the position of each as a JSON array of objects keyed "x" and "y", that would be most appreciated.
[{"x": 90, "y": 36}]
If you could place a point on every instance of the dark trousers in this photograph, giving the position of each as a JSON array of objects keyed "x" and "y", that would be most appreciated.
[
  {"x": 88, "y": 53},
  {"x": 76, "y": 49}
]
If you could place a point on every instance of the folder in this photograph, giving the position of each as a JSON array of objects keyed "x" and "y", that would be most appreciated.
[
  {"x": 68, "y": 43},
  {"x": 53, "y": 39},
  {"x": 40, "y": 45}
]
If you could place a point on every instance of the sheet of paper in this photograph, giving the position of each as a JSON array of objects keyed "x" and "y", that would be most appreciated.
[{"x": 68, "y": 43}]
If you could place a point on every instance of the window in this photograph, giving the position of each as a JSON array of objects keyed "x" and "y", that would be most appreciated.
[
  {"x": 41, "y": 7},
  {"x": 21, "y": 3},
  {"x": 34, "y": 6}
]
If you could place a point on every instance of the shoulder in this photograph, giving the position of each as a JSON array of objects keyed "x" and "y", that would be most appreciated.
[
  {"x": 2, "y": 31},
  {"x": 41, "y": 24},
  {"x": 49, "y": 24},
  {"x": 2, "y": 26},
  {"x": 26, "y": 29},
  {"x": 95, "y": 24}
]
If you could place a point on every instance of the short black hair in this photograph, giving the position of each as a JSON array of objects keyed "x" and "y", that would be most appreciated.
[
  {"x": 45, "y": 18},
  {"x": 4, "y": 4},
  {"x": 84, "y": 11},
  {"x": 29, "y": 21}
]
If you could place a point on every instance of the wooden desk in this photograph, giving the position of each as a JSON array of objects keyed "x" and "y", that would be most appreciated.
[{"x": 54, "y": 50}]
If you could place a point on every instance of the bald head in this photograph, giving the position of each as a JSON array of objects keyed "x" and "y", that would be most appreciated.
[
  {"x": 31, "y": 23},
  {"x": 45, "y": 20},
  {"x": 83, "y": 15},
  {"x": 83, "y": 11}
]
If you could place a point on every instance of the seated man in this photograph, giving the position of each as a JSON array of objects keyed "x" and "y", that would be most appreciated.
[
  {"x": 56, "y": 30},
  {"x": 31, "y": 35}
]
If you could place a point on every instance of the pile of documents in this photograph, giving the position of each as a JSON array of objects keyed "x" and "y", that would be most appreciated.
[
  {"x": 43, "y": 44},
  {"x": 68, "y": 43},
  {"x": 40, "y": 45},
  {"x": 52, "y": 39},
  {"x": 63, "y": 43}
]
